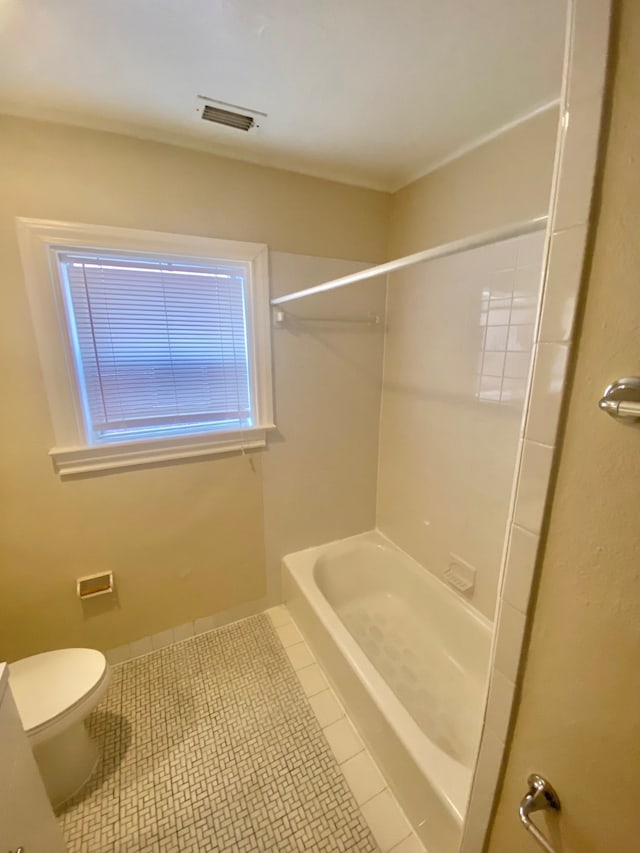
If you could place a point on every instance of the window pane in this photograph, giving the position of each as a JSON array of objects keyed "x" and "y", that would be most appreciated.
[{"x": 161, "y": 346}]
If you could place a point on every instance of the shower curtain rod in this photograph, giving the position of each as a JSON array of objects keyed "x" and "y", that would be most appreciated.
[{"x": 442, "y": 251}]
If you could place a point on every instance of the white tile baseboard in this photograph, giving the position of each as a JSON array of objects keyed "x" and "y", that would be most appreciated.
[{"x": 179, "y": 633}]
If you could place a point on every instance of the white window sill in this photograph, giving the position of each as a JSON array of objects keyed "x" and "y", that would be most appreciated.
[{"x": 84, "y": 460}]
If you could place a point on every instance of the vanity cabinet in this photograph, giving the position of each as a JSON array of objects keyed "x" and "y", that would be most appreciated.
[{"x": 27, "y": 821}]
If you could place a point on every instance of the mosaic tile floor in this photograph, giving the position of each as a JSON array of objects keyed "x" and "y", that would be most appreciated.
[{"x": 211, "y": 745}]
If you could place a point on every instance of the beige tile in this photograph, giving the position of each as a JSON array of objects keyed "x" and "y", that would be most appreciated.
[
  {"x": 514, "y": 390},
  {"x": 279, "y": 615},
  {"x": 363, "y": 777},
  {"x": 200, "y": 626},
  {"x": 524, "y": 310},
  {"x": 533, "y": 484},
  {"x": 562, "y": 285},
  {"x": 578, "y": 164},
  {"x": 300, "y": 655},
  {"x": 498, "y": 316},
  {"x": 520, "y": 338},
  {"x": 162, "y": 639},
  {"x": 387, "y": 823},
  {"x": 490, "y": 387},
  {"x": 546, "y": 393},
  {"x": 499, "y": 705},
  {"x": 326, "y": 708},
  {"x": 141, "y": 647},
  {"x": 343, "y": 740},
  {"x": 521, "y": 557},
  {"x": 289, "y": 635},
  {"x": 496, "y": 339},
  {"x": 183, "y": 632},
  {"x": 312, "y": 680},
  {"x": 493, "y": 364},
  {"x": 511, "y": 623},
  {"x": 589, "y": 49},
  {"x": 529, "y": 250},
  {"x": 482, "y": 794},
  {"x": 118, "y": 655},
  {"x": 409, "y": 845},
  {"x": 516, "y": 365}
]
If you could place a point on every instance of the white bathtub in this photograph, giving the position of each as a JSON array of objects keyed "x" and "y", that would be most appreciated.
[{"x": 409, "y": 659}]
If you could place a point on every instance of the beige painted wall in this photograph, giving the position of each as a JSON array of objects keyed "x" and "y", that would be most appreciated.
[
  {"x": 578, "y": 721},
  {"x": 503, "y": 181},
  {"x": 446, "y": 456},
  {"x": 184, "y": 540}
]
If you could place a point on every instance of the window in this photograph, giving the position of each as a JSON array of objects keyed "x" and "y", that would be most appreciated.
[
  {"x": 153, "y": 346},
  {"x": 160, "y": 346}
]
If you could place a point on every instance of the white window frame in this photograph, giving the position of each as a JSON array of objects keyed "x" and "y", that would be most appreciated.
[{"x": 39, "y": 241}]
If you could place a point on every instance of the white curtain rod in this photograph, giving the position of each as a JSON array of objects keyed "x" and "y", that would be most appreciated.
[{"x": 442, "y": 251}]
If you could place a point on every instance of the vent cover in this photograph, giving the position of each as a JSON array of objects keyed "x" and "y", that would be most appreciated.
[
  {"x": 229, "y": 115},
  {"x": 228, "y": 118}
]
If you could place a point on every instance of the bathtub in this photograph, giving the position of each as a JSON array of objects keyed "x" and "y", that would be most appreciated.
[{"x": 409, "y": 659}]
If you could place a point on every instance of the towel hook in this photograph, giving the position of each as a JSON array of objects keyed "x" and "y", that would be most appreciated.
[{"x": 541, "y": 795}]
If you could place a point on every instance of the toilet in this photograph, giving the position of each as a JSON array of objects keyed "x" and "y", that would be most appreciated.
[{"x": 55, "y": 692}]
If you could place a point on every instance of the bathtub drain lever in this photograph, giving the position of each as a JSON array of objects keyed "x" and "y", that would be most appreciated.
[{"x": 541, "y": 795}]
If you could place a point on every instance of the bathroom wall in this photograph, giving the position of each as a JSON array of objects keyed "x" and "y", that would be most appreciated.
[
  {"x": 327, "y": 373},
  {"x": 202, "y": 537},
  {"x": 577, "y": 719},
  {"x": 505, "y": 180},
  {"x": 185, "y": 540},
  {"x": 459, "y": 339},
  {"x": 457, "y": 354}
]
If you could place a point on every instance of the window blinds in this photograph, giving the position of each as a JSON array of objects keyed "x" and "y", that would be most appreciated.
[{"x": 160, "y": 346}]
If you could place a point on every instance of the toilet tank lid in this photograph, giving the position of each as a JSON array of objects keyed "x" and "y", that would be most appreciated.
[{"x": 47, "y": 685}]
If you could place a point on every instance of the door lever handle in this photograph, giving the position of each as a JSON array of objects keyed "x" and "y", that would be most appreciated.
[{"x": 541, "y": 795}]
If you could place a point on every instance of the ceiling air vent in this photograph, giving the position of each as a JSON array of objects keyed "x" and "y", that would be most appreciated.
[
  {"x": 229, "y": 115},
  {"x": 228, "y": 118}
]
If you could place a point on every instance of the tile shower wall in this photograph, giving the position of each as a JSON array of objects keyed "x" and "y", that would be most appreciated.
[
  {"x": 459, "y": 341},
  {"x": 327, "y": 383}
]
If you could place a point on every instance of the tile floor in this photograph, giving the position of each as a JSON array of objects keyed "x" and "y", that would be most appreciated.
[
  {"x": 385, "y": 818},
  {"x": 212, "y": 745}
]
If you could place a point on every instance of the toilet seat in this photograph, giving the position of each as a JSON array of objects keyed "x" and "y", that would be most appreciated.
[{"x": 55, "y": 689}]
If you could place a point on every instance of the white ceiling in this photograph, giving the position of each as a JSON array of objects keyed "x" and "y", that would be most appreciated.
[{"x": 370, "y": 92}]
